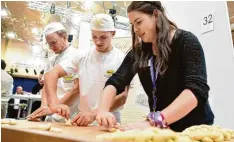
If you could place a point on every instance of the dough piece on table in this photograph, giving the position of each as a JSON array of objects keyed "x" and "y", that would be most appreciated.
[
  {"x": 56, "y": 130},
  {"x": 128, "y": 135},
  {"x": 118, "y": 136},
  {"x": 112, "y": 130},
  {"x": 231, "y": 132},
  {"x": 144, "y": 136},
  {"x": 208, "y": 133},
  {"x": 186, "y": 139},
  {"x": 207, "y": 139},
  {"x": 168, "y": 135},
  {"x": 68, "y": 122},
  {"x": 5, "y": 121},
  {"x": 225, "y": 132},
  {"x": 138, "y": 135},
  {"x": 47, "y": 127},
  {"x": 44, "y": 127},
  {"x": 12, "y": 122},
  {"x": 8, "y": 121}
]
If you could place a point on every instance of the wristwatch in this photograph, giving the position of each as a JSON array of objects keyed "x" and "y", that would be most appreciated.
[{"x": 158, "y": 119}]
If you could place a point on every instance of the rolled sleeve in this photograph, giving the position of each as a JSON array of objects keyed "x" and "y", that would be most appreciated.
[
  {"x": 48, "y": 66},
  {"x": 70, "y": 65}
]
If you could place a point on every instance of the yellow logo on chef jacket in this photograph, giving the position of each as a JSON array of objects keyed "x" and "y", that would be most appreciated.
[
  {"x": 68, "y": 78},
  {"x": 109, "y": 73}
]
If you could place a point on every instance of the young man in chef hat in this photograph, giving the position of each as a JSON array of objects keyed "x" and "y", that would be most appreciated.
[
  {"x": 67, "y": 87},
  {"x": 94, "y": 67}
]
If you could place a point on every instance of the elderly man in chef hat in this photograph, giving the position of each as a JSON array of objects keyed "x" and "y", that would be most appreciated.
[
  {"x": 94, "y": 66},
  {"x": 67, "y": 87}
]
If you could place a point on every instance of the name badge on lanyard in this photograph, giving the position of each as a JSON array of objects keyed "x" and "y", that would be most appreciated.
[{"x": 154, "y": 76}]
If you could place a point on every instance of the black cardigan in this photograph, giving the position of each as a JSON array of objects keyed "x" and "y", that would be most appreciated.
[{"x": 186, "y": 70}]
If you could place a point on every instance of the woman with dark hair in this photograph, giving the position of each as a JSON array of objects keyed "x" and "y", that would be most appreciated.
[{"x": 171, "y": 66}]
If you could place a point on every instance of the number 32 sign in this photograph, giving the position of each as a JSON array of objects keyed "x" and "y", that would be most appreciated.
[{"x": 207, "y": 22}]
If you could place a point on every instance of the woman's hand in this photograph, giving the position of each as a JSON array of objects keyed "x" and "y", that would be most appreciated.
[{"x": 106, "y": 119}]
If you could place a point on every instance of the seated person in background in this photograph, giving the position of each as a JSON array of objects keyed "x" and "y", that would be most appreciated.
[
  {"x": 36, "y": 89},
  {"x": 14, "y": 103},
  {"x": 6, "y": 89}
]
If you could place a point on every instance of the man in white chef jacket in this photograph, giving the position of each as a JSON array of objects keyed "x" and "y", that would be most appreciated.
[
  {"x": 94, "y": 67},
  {"x": 67, "y": 87}
]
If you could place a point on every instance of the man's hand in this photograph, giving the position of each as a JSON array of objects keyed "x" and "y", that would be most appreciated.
[
  {"x": 60, "y": 109},
  {"x": 84, "y": 118},
  {"x": 42, "y": 111}
]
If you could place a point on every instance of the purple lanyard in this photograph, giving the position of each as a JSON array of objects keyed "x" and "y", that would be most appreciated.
[{"x": 154, "y": 76}]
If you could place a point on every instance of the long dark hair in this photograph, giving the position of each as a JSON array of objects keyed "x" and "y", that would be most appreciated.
[{"x": 142, "y": 51}]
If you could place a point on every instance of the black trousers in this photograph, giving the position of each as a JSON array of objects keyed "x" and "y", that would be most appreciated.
[
  {"x": 35, "y": 105},
  {"x": 12, "y": 113}
]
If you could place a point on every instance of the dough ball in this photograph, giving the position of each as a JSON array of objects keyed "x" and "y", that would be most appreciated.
[
  {"x": 56, "y": 130},
  {"x": 12, "y": 122},
  {"x": 5, "y": 121},
  {"x": 44, "y": 127}
]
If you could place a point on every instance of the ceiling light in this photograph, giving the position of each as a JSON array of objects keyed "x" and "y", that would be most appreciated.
[
  {"x": 52, "y": 8},
  {"x": 11, "y": 35},
  {"x": 35, "y": 31},
  {"x": 68, "y": 3},
  {"x": 87, "y": 4},
  {"x": 76, "y": 20},
  {"x": 36, "y": 49},
  {"x": 4, "y": 13}
]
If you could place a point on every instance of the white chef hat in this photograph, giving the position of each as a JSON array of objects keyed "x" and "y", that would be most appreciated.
[
  {"x": 102, "y": 22},
  {"x": 53, "y": 27}
]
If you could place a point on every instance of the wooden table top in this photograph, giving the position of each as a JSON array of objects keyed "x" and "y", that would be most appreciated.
[
  {"x": 22, "y": 132},
  {"x": 69, "y": 133}
]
